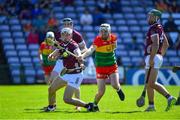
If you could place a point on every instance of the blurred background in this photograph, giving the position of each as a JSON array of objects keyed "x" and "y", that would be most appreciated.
[{"x": 24, "y": 23}]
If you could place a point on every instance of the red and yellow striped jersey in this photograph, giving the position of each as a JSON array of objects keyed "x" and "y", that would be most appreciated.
[
  {"x": 45, "y": 50},
  {"x": 104, "y": 53}
]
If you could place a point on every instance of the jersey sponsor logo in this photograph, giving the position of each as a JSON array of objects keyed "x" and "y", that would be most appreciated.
[{"x": 165, "y": 77}]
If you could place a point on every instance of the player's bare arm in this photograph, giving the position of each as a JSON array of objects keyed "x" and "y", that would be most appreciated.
[
  {"x": 54, "y": 55},
  {"x": 165, "y": 45},
  {"x": 89, "y": 51},
  {"x": 81, "y": 62},
  {"x": 40, "y": 57},
  {"x": 154, "y": 49},
  {"x": 82, "y": 47},
  {"x": 86, "y": 53}
]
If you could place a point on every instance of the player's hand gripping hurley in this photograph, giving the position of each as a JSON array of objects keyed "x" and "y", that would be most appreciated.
[{"x": 56, "y": 44}]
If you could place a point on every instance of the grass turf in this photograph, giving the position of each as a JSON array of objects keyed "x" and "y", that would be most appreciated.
[{"x": 25, "y": 102}]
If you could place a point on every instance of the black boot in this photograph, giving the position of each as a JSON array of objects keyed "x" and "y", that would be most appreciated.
[
  {"x": 121, "y": 95},
  {"x": 91, "y": 107}
]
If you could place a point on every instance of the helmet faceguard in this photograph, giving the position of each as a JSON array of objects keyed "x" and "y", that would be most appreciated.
[
  {"x": 67, "y": 22},
  {"x": 105, "y": 30},
  {"x": 153, "y": 16},
  {"x": 49, "y": 37},
  {"x": 155, "y": 13},
  {"x": 66, "y": 34}
]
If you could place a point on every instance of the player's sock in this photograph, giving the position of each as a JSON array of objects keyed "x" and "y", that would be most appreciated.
[
  {"x": 151, "y": 107},
  {"x": 167, "y": 96},
  {"x": 121, "y": 94},
  {"x": 151, "y": 103},
  {"x": 86, "y": 106},
  {"x": 170, "y": 97}
]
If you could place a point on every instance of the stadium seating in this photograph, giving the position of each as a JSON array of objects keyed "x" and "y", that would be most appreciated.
[{"x": 130, "y": 22}]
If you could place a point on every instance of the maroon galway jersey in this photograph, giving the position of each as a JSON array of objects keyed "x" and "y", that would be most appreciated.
[
  {"x": 70, "y": 62},
  {"x": 154, "y": 29}
]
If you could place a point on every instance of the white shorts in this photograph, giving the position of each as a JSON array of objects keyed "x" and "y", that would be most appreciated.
[
  {"x": 158, "y": 60},
  {"x": 73, "y": 80},
  {"x": 59, "y": 66}
]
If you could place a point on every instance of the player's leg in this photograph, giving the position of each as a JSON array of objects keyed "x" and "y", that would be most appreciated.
[
  {"x": 160, "y": 88},
  {"x": 47, "y": 74},
  {"x": 68, "y": 94},
  {"x": 54, "y": 75},
  {"x": 101, "y": 90},
  {"x": 150, "y": 90},
  {"x": 77, "y": 95},
  {"x": 152, "y": 84},
  {"x": 114, "y": 77},
  {"x": 74, "y": 81},
  {"x": 47, "y": 77},
  {"x": 56, "y": 70},
  {"x": 55, "y": 85}
]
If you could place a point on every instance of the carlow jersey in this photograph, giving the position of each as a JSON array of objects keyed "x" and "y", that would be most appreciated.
[
  {"x": 104, "y": 53},
  {"x": 45, "y": 50},
  {"x": 154, "y": 29}
]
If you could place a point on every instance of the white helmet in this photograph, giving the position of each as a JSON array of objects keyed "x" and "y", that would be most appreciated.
[
  {"x": 49, "y": 34},
  {"x": 106, "y": 27},
  {"x": 67, "y": 31}
]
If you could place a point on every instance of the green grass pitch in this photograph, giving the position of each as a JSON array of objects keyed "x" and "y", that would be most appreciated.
[{"x": 25, "y": 102}]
